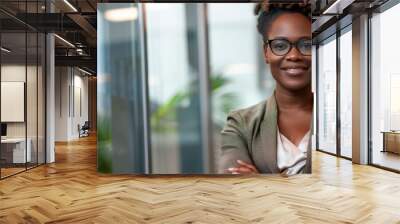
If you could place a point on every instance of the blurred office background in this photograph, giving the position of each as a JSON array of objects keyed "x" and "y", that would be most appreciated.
[{"x": 168, "y": 74}]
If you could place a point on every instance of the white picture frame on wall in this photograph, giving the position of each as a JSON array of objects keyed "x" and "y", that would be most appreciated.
[{"x": 12, "y": 101}]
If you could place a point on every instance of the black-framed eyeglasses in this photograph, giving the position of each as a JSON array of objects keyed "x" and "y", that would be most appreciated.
[{"x": 281, "y": 47}]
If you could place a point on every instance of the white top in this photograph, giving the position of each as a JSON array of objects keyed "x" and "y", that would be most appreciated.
[{"x": 291, "y": 158}]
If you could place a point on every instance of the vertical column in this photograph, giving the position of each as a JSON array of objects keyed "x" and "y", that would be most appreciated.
[
  {"x": 50, "y": 93},
  {"x": 145, "y": 90},
  {"x": 50, "y": 99},
  {"x": 205, "y": 89},
  {"x": 338, "y": 91},
  {"x": 360, "y": 90}
]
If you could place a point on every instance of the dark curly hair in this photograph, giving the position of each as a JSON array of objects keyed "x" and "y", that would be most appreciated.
[{"x": 268, "y": 11}]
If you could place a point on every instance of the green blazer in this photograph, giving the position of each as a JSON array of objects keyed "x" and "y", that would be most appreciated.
[{"x": 250, "y": 135}]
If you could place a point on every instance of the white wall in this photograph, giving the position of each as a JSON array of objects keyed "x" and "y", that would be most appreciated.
[
  {"x": 62, "y": 81},
  {"x": 71, "y": 93},
  {"x": 80, "y": 94}
]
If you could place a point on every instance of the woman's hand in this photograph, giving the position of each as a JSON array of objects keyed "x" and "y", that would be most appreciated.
[{"x": 243, "y": 168}]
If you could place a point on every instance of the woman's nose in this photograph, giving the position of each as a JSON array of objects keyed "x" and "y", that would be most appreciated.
[{"x": 293, "y": 54}]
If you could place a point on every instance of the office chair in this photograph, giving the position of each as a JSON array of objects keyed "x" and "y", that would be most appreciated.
[{"x": 84, "y": 130}]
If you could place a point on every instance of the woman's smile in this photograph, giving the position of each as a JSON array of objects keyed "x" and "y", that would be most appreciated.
[{"x": 296, "y": 70}]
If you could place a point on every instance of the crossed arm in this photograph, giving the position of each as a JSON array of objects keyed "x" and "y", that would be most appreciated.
[
  {"x": 242, "y": 168},
  {"x": 235, "y": 158}
]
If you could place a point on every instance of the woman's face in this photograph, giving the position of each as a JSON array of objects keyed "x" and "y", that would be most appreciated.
[{"x": 293, "y": 70}]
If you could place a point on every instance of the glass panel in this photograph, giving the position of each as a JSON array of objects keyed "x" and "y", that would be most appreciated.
[
  {"x": 41, "y": 99},
  {"x": 121, "y": 145},
  {"x": 31, "y": 98},
  {"x": 13, "y": 87},
  {"x": 327, "y": 96},
  {"x": 234, "y": 67},
  {"x": 21, "y": 66},
  {"x": 346, "y": 94},
  {"x": 385, "y": 84},
  {"x": 174, "y": 88}
]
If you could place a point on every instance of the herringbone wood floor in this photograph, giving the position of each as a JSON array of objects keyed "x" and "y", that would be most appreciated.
[{"x": 70, "y": 191}]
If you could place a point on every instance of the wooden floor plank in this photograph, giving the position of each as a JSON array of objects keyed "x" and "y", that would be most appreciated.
[{"x": 71, "y": 191}]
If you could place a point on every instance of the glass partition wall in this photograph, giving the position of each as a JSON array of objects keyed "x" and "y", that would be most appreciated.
[
  {"x": 385, "y": 90},
  {"x": 13, "y": 110},
  {"x": 22, "y": 88},
  {"x": 326, "y": 102},
  {"x": 345, "y": 92},
  {"x": 334, "y": 94}
]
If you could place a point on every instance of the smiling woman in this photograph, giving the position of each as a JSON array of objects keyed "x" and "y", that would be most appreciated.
[{"x": 274, "y": 135}]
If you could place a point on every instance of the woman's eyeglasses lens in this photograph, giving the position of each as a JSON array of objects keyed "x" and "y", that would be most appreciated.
[
  {"x": 281, "y": 47},
  {"x": 304, "y": 46}
]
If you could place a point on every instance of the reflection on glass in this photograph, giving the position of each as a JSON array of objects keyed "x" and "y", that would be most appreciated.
[
  {"x": 346, "y": 94},
  {"x": 235, "y": 67},
  {"x": 327, "y": 96},
  {"x": 174, "y": 88},
  {"x": 121, "y": 142},
  {"x": 385, "y": 84}
]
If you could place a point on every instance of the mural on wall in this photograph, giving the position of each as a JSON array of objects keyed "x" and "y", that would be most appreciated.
[{"x": 165, "y": 88}]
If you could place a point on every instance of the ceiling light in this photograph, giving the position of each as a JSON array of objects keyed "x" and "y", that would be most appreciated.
[
  {"x": 121, "y": 14},
  {"x": 5, "y": 50},
  {"x": 338, "y": 6},
  {"x": 70, "y": 5},
  {"x": 84, "y": 71},
  {"x": 333, "y": 6},
  {"x": 65, "y": 41}
]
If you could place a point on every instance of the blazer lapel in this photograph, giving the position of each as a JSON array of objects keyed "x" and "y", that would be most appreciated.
[
  {"x": 265, "y": 150},
  {"x": 266, "y": 153}
]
